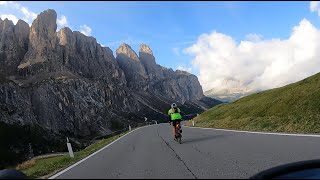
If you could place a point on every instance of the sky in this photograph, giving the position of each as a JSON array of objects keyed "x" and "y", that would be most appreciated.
[{"x": 229, "y": 45}]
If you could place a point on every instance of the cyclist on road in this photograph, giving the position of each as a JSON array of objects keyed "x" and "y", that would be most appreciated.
[{"x": 174, "y": 117}]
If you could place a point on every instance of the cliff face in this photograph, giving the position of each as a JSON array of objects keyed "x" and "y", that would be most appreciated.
[
  {"x": 133, "y": 69},
  {"x": 143, "y": 73},
  {"x": 43, "y": 47},
  {"x": 66, "y": 84},
  {"x": 14, "y": 41}
]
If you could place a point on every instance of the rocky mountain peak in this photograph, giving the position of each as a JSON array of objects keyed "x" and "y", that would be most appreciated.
[
  {"x": 64, "y": 34},
  {"x": 126, "y": 50},
  {"x": 7, "y": 24},
  {"x": 43, "y": 29},
  {"x": 149, "y": 62},
  {"x": 180, "y": 72},
  {"x": 14, "y": 44},
  {"x": 22, "y": 28},
  {"x": 43, "y": 41},
  {"x": 22, "y": 24},
  {"x": 21, "y": 31},
  {"x": 146, "y": 55},
  {"x": 145, "y": 49},
  {"x": 108, "y": 50}
]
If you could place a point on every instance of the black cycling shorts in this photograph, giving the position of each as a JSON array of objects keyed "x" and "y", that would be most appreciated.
[{"x": 174, "y": 123}]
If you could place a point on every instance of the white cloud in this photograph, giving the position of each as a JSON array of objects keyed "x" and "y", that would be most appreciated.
[
  {"x": 250, "y": 66},
  {"x": 62, "y": 21},
  {"x": 28, "y": 15},
  {"x": 3, "y": 2},
  {"x": 315, "y": 6},
  {"x": 183, "y": 43},
  {"x": 116, "y": 43},
  {"x": 11, "y": 17},
  {"x": 86, "y": 30},
  {"x": 129, "y": 40},
  {"x": 254, "y": 37},
  {"x": 176, "y": 51},
  {"x": 102, "y": 45},
  {"x": 182, "y": 68},
  {"x": 19, "y": 11}
]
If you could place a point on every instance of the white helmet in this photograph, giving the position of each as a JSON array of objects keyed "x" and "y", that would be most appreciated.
[{"x": 173, "y": 105}]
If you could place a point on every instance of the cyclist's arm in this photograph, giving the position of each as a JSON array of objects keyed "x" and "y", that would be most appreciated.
[{"x": 180, "y": 113}]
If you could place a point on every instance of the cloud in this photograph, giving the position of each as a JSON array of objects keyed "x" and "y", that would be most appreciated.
[
  {"x": 116, "y": 43},
  {"x": 182, "y": 68},
  {"x": 176, "y": 51},
  {"x": 11, "y": 17},
  {"x": 62, "y": 21},
  {"x": 18, "y": 11},
  {"x": 128, "y": 40},
  {"x": 3, "y": 2},
  {"x": 315, "y": 6},
  {"x": 250, "y": 66},
  {"x": 86, "y": 30},
  {"x": 183, "y": 43},
  {"x": 254, "y": 37},
  {"x": 28, "y": 15}
]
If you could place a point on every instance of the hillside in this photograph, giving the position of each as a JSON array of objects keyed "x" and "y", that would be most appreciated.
[{"x": 294, "y": 108}]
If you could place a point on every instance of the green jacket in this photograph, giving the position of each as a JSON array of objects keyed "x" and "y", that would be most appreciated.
[{"x": 174, "y": 116}]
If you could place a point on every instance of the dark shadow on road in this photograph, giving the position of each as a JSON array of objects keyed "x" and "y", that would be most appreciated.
[{"x": 205, "y": 138}]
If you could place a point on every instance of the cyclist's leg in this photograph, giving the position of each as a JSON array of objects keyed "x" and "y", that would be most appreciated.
[
  {"x": 174, "y": 128},
  {"x": 180, "y": 127}
]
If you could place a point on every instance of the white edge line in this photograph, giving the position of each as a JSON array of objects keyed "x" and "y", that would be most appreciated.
[
  {"x": 77, "y": 163},
  {"x": 265, "y": 133}
]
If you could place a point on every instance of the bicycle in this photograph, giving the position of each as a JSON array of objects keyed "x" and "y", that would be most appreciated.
[{"x": 178, "y": 133}]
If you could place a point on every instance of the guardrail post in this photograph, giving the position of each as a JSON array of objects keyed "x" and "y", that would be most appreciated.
[
  {"x": 192, "y": 123},
  {"x": 129, "y": 127},
  {"x": 70, "y": 148}
]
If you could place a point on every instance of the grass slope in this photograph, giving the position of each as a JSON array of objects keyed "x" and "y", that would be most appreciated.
[
  {"x": 45, "y": 167},
  {"x": 294, "y": 108}
]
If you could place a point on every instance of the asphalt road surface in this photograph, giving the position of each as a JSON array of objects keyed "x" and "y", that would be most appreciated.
[{"x": 151, "y": 152}]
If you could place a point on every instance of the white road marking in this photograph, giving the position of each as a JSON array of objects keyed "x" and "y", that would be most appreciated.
[
  {"x": 77, "y": 163},
  {"x": 265, "y": 133}
]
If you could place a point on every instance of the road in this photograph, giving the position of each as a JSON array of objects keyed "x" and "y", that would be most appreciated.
[{"x": 151, "y": 152}]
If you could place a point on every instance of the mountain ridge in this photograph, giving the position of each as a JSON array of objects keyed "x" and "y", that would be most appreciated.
[{"x": 64, "y": 84}]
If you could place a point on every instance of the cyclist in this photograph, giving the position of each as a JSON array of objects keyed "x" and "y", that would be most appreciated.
[{"x": 174, "y": 117}]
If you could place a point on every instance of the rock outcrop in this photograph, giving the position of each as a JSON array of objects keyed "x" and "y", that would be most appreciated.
[
  {"x": 13, "y": 45},
  {"x": 143, "y": 73},
  {"x": 133, "y": 69},
  {"x": 67, "y": 85},
  {"x": 146, "y": 57},
  {"x": 84, "y": 56},
  {"x": 43, "y": 46}
]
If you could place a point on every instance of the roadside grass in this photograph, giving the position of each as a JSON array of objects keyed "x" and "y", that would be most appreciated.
[
  {"x": 294, "y": 108},
  {"x": 43, "y": 168}
]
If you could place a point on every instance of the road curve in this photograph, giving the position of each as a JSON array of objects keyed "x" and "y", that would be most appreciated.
[{"x": 151, "y": 152}]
